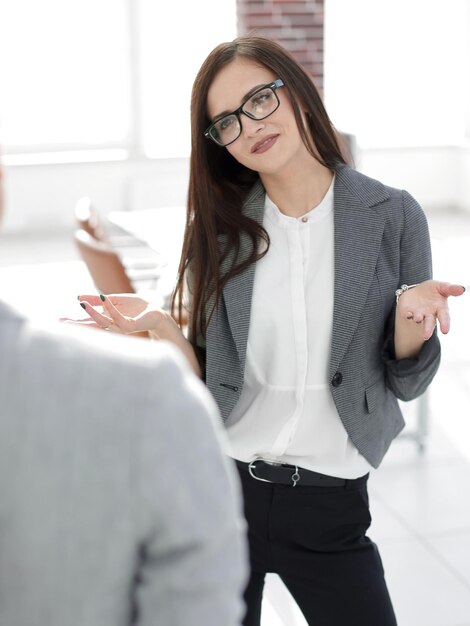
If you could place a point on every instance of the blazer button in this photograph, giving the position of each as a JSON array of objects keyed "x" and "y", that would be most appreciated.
[{"x": 337, "y": 379}]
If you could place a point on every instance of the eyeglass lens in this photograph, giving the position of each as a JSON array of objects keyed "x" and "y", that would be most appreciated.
[{"x": 258, "y": 106}]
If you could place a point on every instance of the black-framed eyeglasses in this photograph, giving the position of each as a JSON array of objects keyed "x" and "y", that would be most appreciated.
[{"x": 259, "y": 105}]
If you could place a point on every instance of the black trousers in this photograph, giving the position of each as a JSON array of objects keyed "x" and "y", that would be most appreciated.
[{"x": 314, "y": 538}]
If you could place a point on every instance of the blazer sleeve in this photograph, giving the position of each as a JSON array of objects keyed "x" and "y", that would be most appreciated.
[{"x": 409, "y": 378}]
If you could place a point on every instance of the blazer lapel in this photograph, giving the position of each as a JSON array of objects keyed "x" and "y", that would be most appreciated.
[
  {"x": 238, "y": 291},
  {"x": 358, "y": 235}
]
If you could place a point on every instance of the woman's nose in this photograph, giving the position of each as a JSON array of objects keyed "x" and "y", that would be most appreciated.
[{"x": 251, "y": 127}]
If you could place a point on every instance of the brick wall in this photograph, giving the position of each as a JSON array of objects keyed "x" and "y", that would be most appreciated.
[{"x": 296, "y": 24}]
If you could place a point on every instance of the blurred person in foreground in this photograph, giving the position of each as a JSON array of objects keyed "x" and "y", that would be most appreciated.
[{"x": 117, "y": 506}]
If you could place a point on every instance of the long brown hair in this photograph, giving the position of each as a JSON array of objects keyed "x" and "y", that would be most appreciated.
[{"x": 218, "y": 184}]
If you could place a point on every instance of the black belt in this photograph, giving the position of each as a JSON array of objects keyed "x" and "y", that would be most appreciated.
[{"x": 284, "y": 474}]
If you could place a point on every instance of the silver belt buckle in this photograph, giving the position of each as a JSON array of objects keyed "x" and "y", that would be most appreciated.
[
  {"x": 295, "y": 476},
  {"x": 251, "y": 468}
]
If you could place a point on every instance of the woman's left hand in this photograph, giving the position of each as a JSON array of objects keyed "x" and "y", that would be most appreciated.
[{"x": 427, "y": 303}]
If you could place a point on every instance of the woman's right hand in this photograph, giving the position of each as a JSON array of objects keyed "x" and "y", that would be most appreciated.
[
  {"x": 127, "y": 303},
  {"x": 125, "y": 313},
  {"x": 129, "y": 313},
  {"x": 126, "y": 307}
]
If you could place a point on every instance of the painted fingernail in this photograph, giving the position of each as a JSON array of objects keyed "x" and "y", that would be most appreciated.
[
  {"x": 102, "y": 297},
  {"x": 83, "y": 305},
  {"x": 78, "y": 298}
]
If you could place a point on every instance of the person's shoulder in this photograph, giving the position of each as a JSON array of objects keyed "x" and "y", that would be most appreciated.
[
  {"x": 94, "y": 358},
  {"x": 370, "y": 191},
  {"x": 74, "y": 343},
  {"x": 131, "y": 380}
]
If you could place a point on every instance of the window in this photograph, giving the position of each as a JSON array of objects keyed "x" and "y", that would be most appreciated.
[
  {"x": 103, "y": 74},
  {"x": 396, "y": 72},
  {"x": 65, "y": 74},
  {"x": 174, "y": 43}
]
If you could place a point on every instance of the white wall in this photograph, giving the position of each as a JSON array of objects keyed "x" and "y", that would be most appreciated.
[
  {"x": 40, "y": 197},
  {"x": 437, "y": 177},
  {"x": 465, "y": 179},
  {"x": 397, "y": 76}
]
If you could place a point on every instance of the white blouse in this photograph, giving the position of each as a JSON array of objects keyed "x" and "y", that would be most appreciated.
[{"x": 286, "y": 412}]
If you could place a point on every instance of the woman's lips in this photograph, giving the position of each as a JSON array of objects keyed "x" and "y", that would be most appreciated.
[{"x": 264, "y": 145}]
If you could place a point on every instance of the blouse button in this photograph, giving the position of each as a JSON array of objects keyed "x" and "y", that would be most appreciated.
[{"x": 305, "y": 220}]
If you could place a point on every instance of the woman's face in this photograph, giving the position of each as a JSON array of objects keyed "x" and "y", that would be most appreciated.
[{"x": 267, "y": 146}]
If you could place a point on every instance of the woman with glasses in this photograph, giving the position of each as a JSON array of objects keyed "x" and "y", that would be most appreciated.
[{"x": 312, "y": 310}]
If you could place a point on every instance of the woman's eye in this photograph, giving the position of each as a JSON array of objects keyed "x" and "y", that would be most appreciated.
[
  {"x": 261, "y": 98},
  {"x": 225, "y": 123}
]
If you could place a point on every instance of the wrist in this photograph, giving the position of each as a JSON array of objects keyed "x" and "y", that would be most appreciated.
[
  {"x": 166, "y": 327},
  {"x": 401, "y": 290}
]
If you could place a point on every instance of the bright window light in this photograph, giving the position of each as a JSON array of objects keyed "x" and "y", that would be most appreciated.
[
  {"x": 64, "y": 71},
  {"x": 174, "y": 43},
  {"x": 106, "y": 74},
  {"x": 396, "y": 71}
]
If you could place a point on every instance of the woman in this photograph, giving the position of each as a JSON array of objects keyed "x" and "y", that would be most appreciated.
[{"x": 312, "y": 310}]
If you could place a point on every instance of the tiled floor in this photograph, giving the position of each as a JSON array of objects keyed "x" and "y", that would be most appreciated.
[{"x": 420, "y": 502}]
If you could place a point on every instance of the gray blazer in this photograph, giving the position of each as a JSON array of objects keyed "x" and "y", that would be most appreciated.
[
  {"x": 381, "y": 242},
  {"x": 117, "y": 505}
]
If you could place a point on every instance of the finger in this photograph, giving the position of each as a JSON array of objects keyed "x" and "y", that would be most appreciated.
[
  {"x": 83, "y": 324},
  {"x": 124, "y": 323},
  {"x": 102, "y": 320},
  {"x": 418, "y": 317},
  {"x": 448, "y": 289},
  {"x": 72, "y": 319},
  {"x": 116, "y": 298},
  {"x": 94, "y": 300},
  {"x": 444, "y": 320},
  {"x": 109, "y": 307},
  {"x": 429, "y": 325}
]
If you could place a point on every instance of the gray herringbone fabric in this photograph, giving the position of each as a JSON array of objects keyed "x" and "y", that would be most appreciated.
[
  {"x": 381, "y": 242},
  {"x": 117, "y": 504}
]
